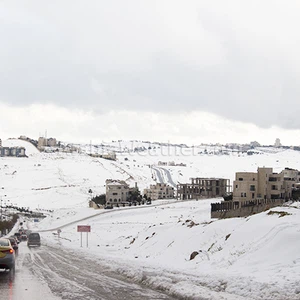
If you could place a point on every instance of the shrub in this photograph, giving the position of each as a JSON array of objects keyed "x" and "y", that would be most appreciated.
[{"x": 280, "y": 213}]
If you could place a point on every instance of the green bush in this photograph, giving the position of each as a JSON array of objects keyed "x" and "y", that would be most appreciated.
[{"x": 100, "y": 199}]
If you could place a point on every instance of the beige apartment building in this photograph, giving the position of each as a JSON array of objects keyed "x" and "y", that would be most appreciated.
[
  {"x": 117, "y": 191},
  {"x": 44, "y": 142},
  {"x": 159, "y": 191},
  {"x": 200, "y": 188},
  {"x": 264, "y": 184}
]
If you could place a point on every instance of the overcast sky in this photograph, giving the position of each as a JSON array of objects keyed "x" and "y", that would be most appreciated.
[{"x": 179, "y": 71}]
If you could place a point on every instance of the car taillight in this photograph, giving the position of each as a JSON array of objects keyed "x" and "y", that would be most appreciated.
[{"x": 11, "y": 251}]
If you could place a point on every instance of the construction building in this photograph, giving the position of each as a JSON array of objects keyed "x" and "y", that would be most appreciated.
[{"x": 200, "y": 188}]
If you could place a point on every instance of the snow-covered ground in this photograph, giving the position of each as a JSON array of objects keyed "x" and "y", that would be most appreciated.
[{"x": 240, "y": 258}]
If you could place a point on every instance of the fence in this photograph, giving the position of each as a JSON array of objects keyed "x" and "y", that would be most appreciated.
[{"x": 232, "y": 209}]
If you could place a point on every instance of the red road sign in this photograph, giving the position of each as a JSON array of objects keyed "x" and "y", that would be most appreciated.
[{"x": 83, "y": 228}]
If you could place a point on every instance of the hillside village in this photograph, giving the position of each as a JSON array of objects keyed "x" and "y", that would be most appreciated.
[{"x": 248, "y": 193}]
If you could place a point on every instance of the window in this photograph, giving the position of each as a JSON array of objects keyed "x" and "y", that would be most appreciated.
[
  {"x": 252, "y": 188},
  {"x": 241, "y": 179},
  {"x": 242, "y": 194},
  {"x": 115, "y": 194},
  {"x": 252, "y": 195},
  {"x": 245, "y": 195},
  {"x": 236, "y": 186}
]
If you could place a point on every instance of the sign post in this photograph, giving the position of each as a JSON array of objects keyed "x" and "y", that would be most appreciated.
[{"x": 81, "y": 229}]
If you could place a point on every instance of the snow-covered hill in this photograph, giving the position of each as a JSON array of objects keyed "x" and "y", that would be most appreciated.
[
  {"x": 240, "y": 258},
  {"x": 56, "y": 180}
]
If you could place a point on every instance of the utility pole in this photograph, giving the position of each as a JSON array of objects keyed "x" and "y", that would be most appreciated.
[
  {"x": 46, "y": 137},
  {"x": 1, "y": 207}
]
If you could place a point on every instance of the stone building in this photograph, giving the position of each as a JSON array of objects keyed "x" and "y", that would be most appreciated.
[
  {"x": 117, "y": 191},
  {"x": 264, "y": 184},
  {"x": 254, "y": 192},
  {"x": 159, "y": 191},
  {"x": 44, "y": 142},
  {"x": 200, "y": 188}
]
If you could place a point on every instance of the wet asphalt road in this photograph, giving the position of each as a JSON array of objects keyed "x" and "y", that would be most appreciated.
[{"x": 51, "y": 273}]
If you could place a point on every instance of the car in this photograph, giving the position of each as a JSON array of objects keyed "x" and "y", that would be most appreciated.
[
  {"x": 108, "y": 207},
  {"x": 34, "y": 239},
  {"x": 18, "y": 235},
  {"x": 23, "y": 237},
  {"x": 7, "y": 255},
  {"x": 13, "y": 242}
]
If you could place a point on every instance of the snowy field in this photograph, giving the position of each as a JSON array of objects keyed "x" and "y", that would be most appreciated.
[{"x": 241, "y": 258}]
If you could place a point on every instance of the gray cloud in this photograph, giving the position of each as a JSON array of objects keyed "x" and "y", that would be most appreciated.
[{"x": 169, "y": 56}]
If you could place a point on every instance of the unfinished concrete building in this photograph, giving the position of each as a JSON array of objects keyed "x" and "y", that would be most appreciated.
[{"x": 200, "y": 188}]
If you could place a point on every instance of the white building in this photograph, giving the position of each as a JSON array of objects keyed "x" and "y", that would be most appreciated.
[{"x": 277, "y": 143}]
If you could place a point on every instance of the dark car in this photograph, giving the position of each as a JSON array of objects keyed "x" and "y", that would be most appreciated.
[
  {"x": 14, "y": 242},
  {"x": 108, "y": 207},
  {"x": 24, "y": 237},
  {"x": 34, "y": 239},
  {"x": 17, "y": 235}
]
